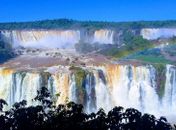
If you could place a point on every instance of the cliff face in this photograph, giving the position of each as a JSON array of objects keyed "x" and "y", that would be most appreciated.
[
  {"x": 95, "y": 86},
  {"x": 68, "y": 38},
  {"x": 40, "y": 38},
  {"x": 56, "y": 38}
]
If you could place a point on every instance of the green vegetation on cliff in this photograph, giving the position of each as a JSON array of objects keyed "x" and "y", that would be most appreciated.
[
  {"x": 80, "y": 76},
  {"x": 165, "y": 55},
  {"x": 5, "y": 51},
  {"x": 153, "y": 59},
  {"x": 68, "y": 24},
  {"x": 160, "y": 78},
  {"x": 132, "y": 44}
]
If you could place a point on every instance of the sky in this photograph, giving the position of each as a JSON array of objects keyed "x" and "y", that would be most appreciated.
[{"x": 95, "y": 10}]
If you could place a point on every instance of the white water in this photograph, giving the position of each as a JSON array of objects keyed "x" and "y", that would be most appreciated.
[
  {"x": 155, "y": 33},
  {"x": 20, "y": 86},
  {"x": 43, "y": 38},
  {"x": 103, "y": 36},
  {"x": 105, "y": 87},
  {"x": 64, "y": 39},
  {"x": 169, "y": 103},
  {"x": 102, "y": 92}
]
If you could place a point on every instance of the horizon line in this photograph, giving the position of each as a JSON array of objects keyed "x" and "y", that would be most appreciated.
[{"x": 125, "y": 21}]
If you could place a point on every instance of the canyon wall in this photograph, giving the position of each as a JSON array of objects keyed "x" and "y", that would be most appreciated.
[{"x": 68, "y": 38}]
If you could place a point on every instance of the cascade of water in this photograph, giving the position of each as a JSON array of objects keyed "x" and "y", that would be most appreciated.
[
  {"x": 17, "y": 90},
  {"x": 90, "y": 93},
  {"x": 50, "y": 86},
  {"x": 61, "y": 87},
  {"x": 133, "y": 87},
  {"x": 5, "y": 84},
  {"x": 43, "y": 38},
  {"x": 170, "y": 89},
  {"x": 16, "y": 86},
  {"x": 103, "y": 87},
  {"x": 103, "y": 98},
  {"x": 64, "y": 39},
  {"x": 143, "y": 85},
  {"x": 30, "y": 84},
  {"x": 103, "y": 36},
  {"x": 154, "y": 33},
  {"x": 72, "y": 89}
]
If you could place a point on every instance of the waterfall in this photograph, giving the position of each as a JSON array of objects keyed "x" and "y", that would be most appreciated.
[
  {"x": 26, "y": 87},
  {"x": 43, "y": 38},
  {"x": 170, "y": 89},
  {"x": 61, "y": 87},
  {"x": 103, "y": 36},
  {"x": 5, "y": 83},
  {"x": 133, "y": 87},
  {"x": 98, "y": 87},
  {"x": 103, "y": 99},
  {"x": 72, "y": 90},
  {"x": 90, "y": 104},
  {"x": 155, "y": 33},
  {"x": 16, "y": 86},
  {"x": 63, "y": 39}
]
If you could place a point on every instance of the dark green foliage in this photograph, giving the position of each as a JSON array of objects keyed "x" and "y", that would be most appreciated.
[
  {"x": 2, "y": 103},
  {"x": 170, "y": 49},
  {"x": 132, "y": 44},
  {"x": 135, "y": 42},
  {"x": 68, "y": 24},
  {"x": 160, "y": 78},
  {"x": 43, "y": 96},
  {"x": 71, "y": 117},
  {"x": 164, "y": 55},
  {"x": 5, "y": 51}
]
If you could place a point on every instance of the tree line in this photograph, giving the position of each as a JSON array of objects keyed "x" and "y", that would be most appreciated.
[
  {"x": 69, "y": 24},
  {"x": 71, "y": 116}
]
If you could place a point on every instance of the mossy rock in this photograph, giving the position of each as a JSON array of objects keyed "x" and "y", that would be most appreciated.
[
  {"x": 160, "y": 79},
  {"x": 44, "y": 78},
  {"x": 80, "y": 77}
]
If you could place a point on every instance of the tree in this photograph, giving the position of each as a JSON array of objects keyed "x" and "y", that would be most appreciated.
[{"x": 2, "y": 103}]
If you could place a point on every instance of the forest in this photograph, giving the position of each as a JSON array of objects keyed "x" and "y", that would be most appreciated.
[{"x": 75, "y": 24}]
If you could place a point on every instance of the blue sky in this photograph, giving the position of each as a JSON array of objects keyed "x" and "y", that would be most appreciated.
[{"x": 99, "y": 10}]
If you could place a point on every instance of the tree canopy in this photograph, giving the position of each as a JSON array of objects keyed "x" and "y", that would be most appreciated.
[{"x": 69, "y": 24}]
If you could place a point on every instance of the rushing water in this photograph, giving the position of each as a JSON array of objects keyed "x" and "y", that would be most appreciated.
[
  {"x": 55, "y": 38},
  {"x": 103, "y": 36},
  {"x": 103, "y": 86},
  {"x": 155, "y": 33}
]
